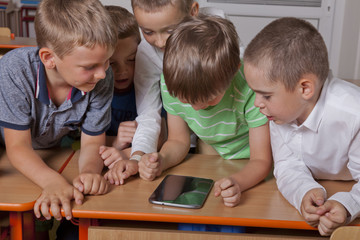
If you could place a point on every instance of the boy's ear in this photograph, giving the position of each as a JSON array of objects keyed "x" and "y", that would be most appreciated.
[
  {"x": 47, "y": 57},
  {"x": 194, "y": 9},
  {"x": 307, "y": 87}
]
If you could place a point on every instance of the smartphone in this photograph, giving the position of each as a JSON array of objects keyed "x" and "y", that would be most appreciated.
[{"x": 182, "y": 191}]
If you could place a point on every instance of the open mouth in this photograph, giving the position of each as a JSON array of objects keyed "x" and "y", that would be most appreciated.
[{"x": 121, "y": 80}]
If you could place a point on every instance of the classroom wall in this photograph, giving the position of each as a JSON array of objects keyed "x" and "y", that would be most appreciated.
[{"x": 345, "y": 41}]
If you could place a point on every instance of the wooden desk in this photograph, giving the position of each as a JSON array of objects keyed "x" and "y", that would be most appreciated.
[
  {"x": 18, "y": 42},
  {"x": 261, "y": 206},
  {"x": 18, "y": 194}
]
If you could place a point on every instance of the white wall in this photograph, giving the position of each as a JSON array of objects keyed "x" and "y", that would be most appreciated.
[
  {"x": 346, "y": 39},
  {"x": 343, "y": 44}
]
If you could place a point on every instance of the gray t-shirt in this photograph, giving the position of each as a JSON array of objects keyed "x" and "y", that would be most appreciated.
[{"x": 25, "y": 102}]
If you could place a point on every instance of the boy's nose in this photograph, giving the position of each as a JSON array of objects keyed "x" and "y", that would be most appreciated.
[
  {"x": 100, "y": 73},
  {"x": 257, "y": 102},
  {"x": 160, "y": 41}
]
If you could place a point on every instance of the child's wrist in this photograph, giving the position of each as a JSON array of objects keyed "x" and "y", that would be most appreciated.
[{"x": 136, "y": 157}]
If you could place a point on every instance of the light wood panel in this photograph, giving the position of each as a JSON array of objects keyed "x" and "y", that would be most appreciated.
[
  {"x": 101, "y": 233},
  {"x": 8, "y": 43},
  {"x": 346, "y": 233}
]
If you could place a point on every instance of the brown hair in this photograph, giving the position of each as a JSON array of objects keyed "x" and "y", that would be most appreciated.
[
  {"x": 63, "y": 25},
  {"x": 201, "y": 58},
  {"x": 286, "y": 50},
  {"x": 155, "y": 5},
  {"x": 125, "y": 22}
]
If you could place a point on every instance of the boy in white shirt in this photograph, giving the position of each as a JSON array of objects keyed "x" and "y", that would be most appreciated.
[
  {"x": 315, "y": 120},
  {"x": 157, "y": 20}
]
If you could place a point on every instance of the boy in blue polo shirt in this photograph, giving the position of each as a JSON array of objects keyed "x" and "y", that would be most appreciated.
[{"x": 55, "y": 88}]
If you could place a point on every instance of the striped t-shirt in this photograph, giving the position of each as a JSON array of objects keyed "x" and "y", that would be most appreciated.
[{"x": 225, "y": 126}]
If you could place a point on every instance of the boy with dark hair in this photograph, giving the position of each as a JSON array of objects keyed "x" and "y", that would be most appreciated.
[{"x": 314, "y": 120}]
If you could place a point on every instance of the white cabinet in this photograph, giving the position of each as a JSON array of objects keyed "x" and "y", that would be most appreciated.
[{"x": 338, "y": 21}]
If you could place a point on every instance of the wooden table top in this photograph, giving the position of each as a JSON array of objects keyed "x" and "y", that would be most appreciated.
[
  {"x": 261, "y": 206},
  {"x": 6, "y": 42},
  {"x": 18, "y": 193}
]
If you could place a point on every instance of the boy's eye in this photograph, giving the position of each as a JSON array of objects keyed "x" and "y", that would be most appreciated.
[
  {"x": 89, "y": 67},
  {"x": 170, "y": 31},
  {"x": 131, "y": 60},
  {"x": 147, "y": 32},
  {"x": 266, "y": 97}
]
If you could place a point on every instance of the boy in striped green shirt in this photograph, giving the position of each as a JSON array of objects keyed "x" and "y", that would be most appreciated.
[{"x": 204, "y": 89}]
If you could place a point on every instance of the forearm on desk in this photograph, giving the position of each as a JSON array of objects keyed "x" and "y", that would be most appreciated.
[
  {"x": 89, "y": 159},
  {"x": 149, "y": 122},
  {"x": 252, "y": 173},
  {"x": 173, "y": 152},
  {"x": 147, "y": 135},
  {"x": 31, "y": 165}
]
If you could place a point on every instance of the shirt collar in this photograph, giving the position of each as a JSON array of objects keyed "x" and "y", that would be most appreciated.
[
  {"x": 314, "y": 119},
  {"x": 41, "y": 90}
]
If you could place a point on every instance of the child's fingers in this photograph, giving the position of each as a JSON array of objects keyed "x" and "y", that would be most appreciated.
[
  {"x": 148, "y": 176},
  {"x": 104, "y": 187},
  {"x": 102, "y": 149},
  {"x": 217, "y": 188},
  {"x": 336, "y": 217},
  {"x": 78, "y": 197},
  {"x": 317, "y": 196},
  {"x": 326, "y": 227},
  {"x": 65, "y": 203},
  {"x": 127, "y": 173},
  {"x": 78, "y": 184},
  {"x": 310, "y": 208},
  {"x": 55, "y": 209},
  {"x": 44, "y": 207},
  {"x": 312, "y": 219},
  {"x": 37, "y": 208},
  {"x": 108, "y": 177},
  {"x": 232, "y": 201}
]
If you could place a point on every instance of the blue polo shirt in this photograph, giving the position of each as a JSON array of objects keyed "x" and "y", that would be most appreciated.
[{"x": 25, "y": 102}]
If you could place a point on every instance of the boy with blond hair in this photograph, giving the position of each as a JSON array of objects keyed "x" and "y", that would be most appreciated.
[
  {"x": 203, "y": 89},
  {"x": 60, "y": 86},
  {"x": 314, "y": 120}
]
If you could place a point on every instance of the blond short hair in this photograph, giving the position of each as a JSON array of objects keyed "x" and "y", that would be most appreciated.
[
  {"x": 286, "y": 50},
  {"x": 125, "y": 22},
  {"x": 155, "y": 5},
  {"x": 63, "y": 25},
  {"x": 201, "y": 58}
]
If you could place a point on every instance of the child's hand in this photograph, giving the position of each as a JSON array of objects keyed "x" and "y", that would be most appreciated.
[
  {"x": 229, "y": 190},
  {"x": 111, "y": 155},
  {"x": 53, "y": 197},
  {"x": 334, "y": 215},
  {"x": 150, "y": 166},
  {"x": 91, "y": 183},
  {"x": 125, "y": 134},
  {"x": 121, "y": 171},
  {"x": 310, "y": 204}
]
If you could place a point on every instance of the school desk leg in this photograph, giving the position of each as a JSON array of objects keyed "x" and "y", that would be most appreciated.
[
  {"x": 16, "y": 225},
  {"x": 84, "y": 224}
]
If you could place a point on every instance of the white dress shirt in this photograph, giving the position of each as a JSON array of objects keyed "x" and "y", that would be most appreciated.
[
  {"x": 325, "y": 146},
  {"x": 148, "y": 69}
]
